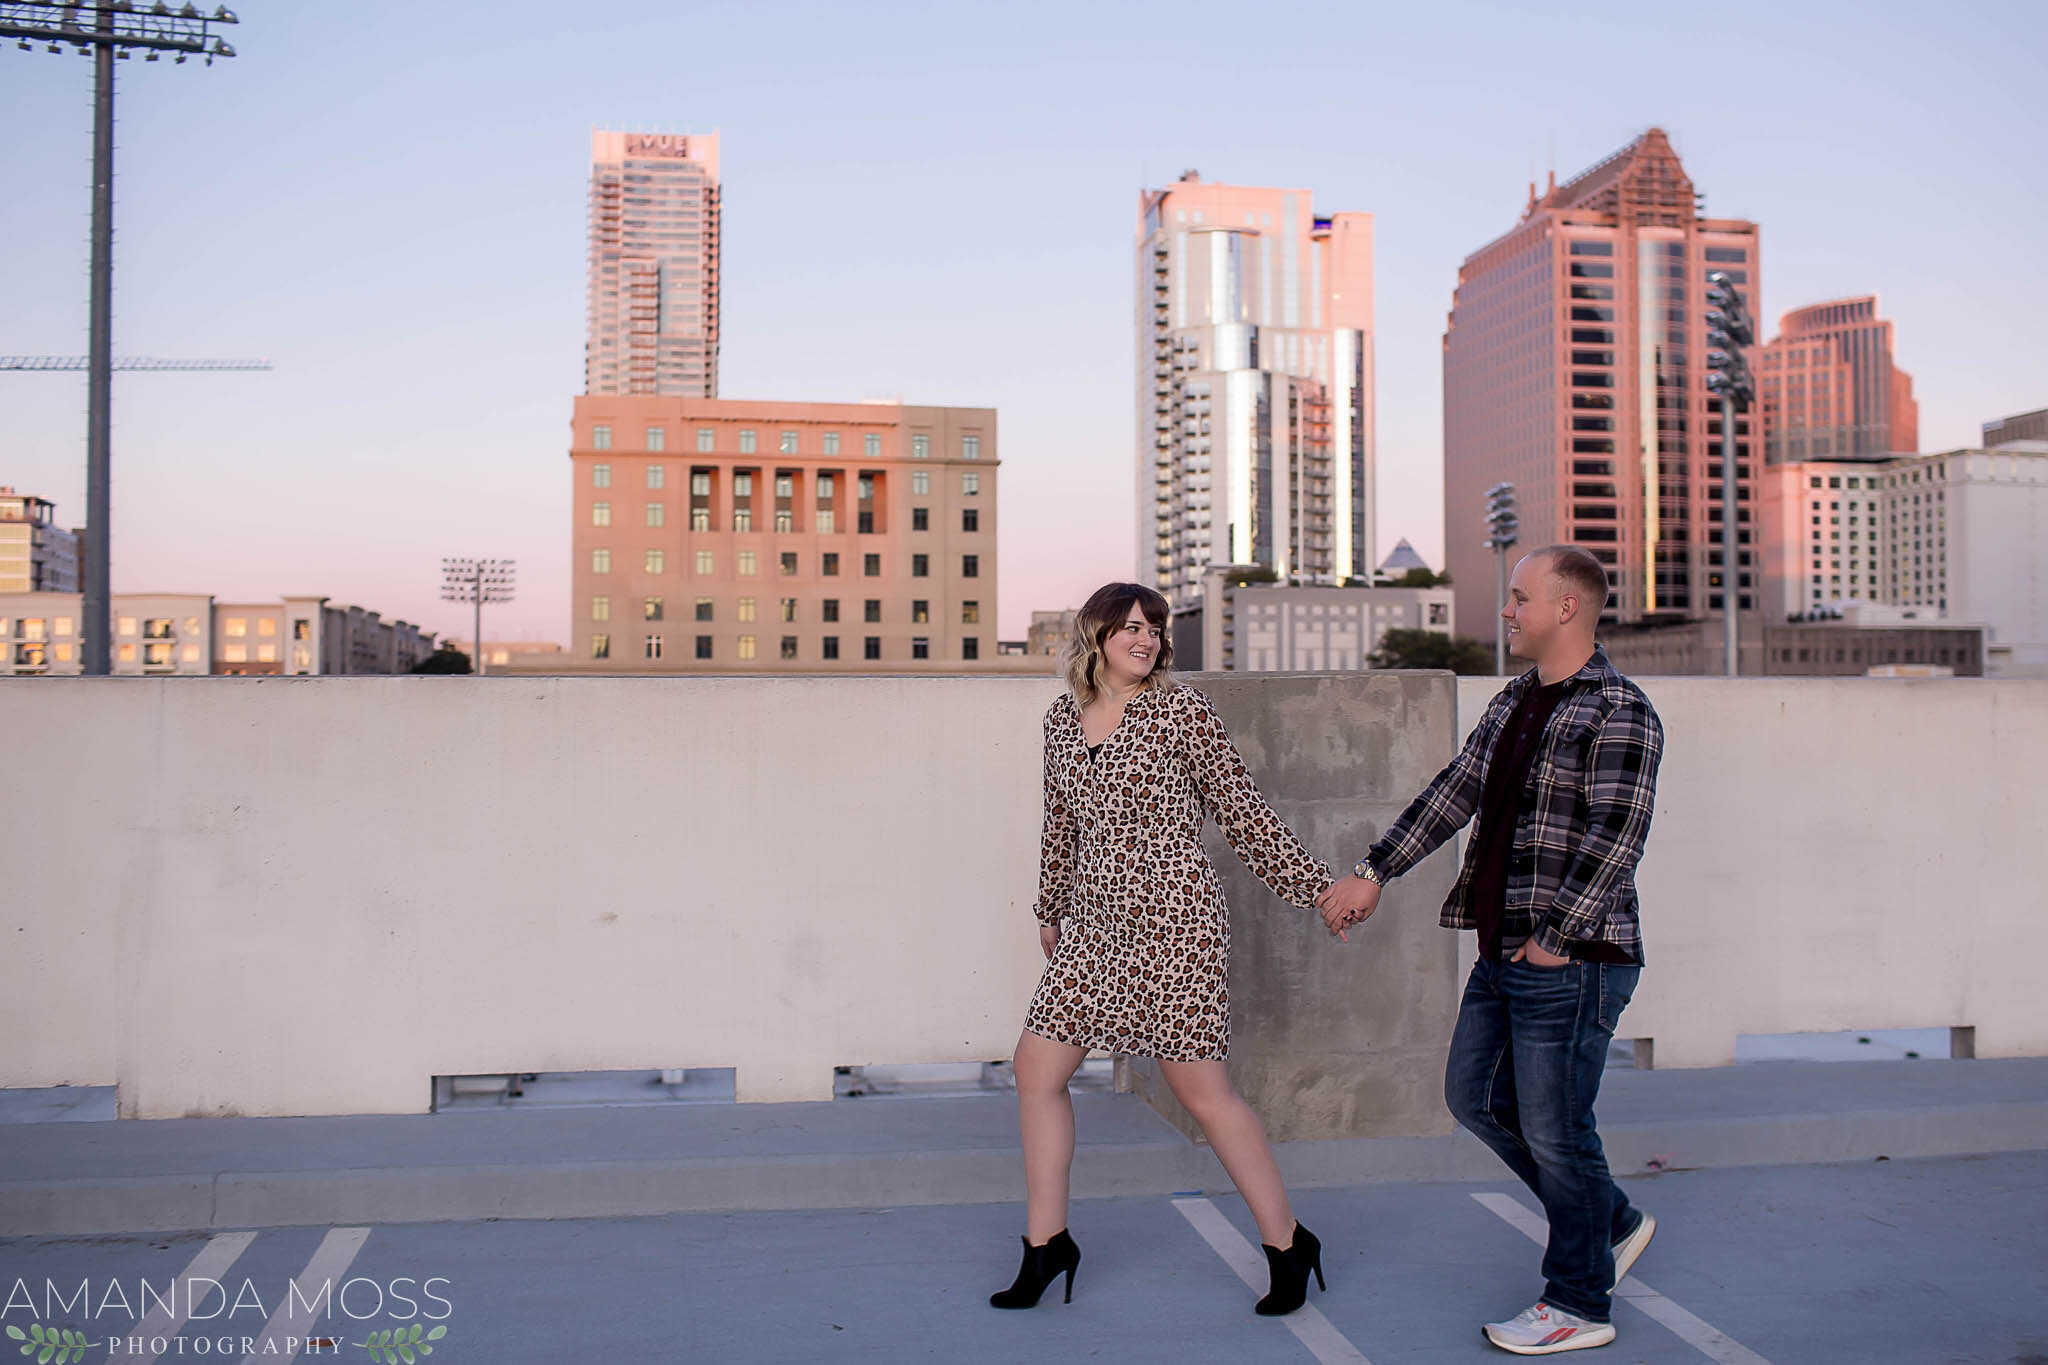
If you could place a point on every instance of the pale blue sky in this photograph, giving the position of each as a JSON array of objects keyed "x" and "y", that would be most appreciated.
[{"x": 931, "y": 201}]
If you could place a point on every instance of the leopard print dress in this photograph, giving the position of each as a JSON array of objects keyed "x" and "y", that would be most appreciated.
[{"x": 1141, "y": 967}]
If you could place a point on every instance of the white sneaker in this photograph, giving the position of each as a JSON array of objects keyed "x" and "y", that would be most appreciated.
[
  {"x": 1543, "y": 1330},
  {"x": 1631, "y": 1246}
]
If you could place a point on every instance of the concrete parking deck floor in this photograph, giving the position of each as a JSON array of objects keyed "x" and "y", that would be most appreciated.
[{"x": 1943, "y": 1261}]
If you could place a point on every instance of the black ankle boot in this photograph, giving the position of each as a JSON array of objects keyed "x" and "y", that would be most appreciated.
[
  {"x": 1042, "y": 1265},
  {"x": 1290, "y": 1273}
]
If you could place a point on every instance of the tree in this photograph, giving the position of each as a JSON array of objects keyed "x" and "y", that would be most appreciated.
[
  {"x": 443, "y": 660},
  {"x": 1418, "y": 578},
  {"x": 1400, "y": 648}
]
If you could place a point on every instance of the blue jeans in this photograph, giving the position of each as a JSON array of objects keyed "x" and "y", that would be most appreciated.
[{"x": 1525, "y": 1066}]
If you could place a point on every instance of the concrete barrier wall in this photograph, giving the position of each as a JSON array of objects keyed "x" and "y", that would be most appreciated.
[
  {"x": 1841, "y": 853},
  {"x": 301, "y": 896}
]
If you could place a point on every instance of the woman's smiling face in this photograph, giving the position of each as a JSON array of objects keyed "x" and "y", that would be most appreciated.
[{"x": 1132, "y": 649}]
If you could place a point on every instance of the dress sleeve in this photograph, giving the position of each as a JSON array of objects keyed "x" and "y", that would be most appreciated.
[
  {"x": 1260, "y": 838},
  {"x": 1057, "y": 845}
]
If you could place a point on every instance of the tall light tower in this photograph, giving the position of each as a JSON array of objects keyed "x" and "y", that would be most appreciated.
[
  {"x": 1503, "y": 529},
  {"x": 477, "y": 581},
  {"x": 107, "y": 30},
  {"x": 1729, "y": 331}
]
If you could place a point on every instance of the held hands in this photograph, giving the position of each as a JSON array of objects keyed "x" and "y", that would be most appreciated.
[{"x": 1349, "y": 901}]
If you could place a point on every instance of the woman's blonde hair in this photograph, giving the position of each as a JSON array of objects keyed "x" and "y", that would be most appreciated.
[{"x": 1103, "y": 613}]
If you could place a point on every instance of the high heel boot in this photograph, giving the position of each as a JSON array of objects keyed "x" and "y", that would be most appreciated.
[
  {"x": 1042, "y": 1265},
  {"x": 1290, "y": 1273}
]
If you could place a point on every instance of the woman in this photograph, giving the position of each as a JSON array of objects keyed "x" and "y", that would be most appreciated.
[{"x": 1134, "y": 927}]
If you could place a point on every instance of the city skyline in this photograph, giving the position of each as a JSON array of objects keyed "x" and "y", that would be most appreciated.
[{"x": 426, "y": 340}]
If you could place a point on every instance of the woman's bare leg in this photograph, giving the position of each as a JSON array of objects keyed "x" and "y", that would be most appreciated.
[
  {"x": 1045, "y": 1117},
  {"x": 1205, "y": 1091}
]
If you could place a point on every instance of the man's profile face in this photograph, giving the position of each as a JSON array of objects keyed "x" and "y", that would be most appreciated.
[{"x": 1534, "y": 607}]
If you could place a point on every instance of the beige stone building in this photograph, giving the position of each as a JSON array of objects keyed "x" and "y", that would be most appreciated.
[{"x": 725, "y": 536}]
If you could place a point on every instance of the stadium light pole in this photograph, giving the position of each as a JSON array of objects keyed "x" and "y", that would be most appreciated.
[
  {"x": 1729, "y": 332},
  {"x": 1503, "y": 529},
  {"x": 107, "y": 30},
  {"x": 477, "y": 581}
]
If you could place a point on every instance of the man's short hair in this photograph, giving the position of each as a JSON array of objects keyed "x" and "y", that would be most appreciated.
[{"x": 1584, "y": 576}]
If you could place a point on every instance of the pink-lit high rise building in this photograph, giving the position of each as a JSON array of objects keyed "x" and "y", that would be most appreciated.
[
  {"x": 654, "y": 248},
  {"x": 1574, "y": 368},
  {"x": 1254, "y": 387},
  {"x": 1828, "y": 387}
]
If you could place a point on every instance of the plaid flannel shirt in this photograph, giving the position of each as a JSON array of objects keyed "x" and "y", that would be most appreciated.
[{"x": 1580, "y": 821}]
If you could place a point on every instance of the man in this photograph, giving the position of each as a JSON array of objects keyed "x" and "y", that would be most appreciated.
[{"x": 1561, "y": 773}]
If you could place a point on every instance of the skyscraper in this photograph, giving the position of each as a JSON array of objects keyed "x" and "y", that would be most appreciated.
[
  {"x": 1574, "y": 368},
  {"x": 653, "y": 307},
  {"x": 1827, "y": 385},
  {"x": 1254, "y": 386}
]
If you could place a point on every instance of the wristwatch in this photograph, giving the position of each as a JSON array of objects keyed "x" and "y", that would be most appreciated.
[{"x": 1364, "y": 869}]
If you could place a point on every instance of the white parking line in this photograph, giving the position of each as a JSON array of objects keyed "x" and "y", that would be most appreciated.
[
  {"x": 1708, "y": 1340},
  {"x": 285, "y": 1334},
  {"x": 168, "y": 1318},
  {"x": 1315, "y": 1331}
]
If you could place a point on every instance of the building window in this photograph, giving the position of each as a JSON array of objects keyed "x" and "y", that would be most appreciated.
[
  {"x": 700, "y": 518},
  {"x": 970, "y": 447},
  {"x": 920, "y": 519},
  {"x": 920, "y": 482},
  {"x": 829, "y": 610},
  {"x": 789, "y": 563},
  {"x": 829, "y": 442},
  {"x": 657, "y": 438},
  {"x": 970, "y": 566},
  {"x": 871, "y": 647},
  {"x": 746, "y": 647},
  {"x": 651, "y": 609},
  {"x": 657, "y": 514},
  {"x": 707, "y": 440},
  {"x": 970, "y": 648},
  {"x": 970, "y": 518},
  {"x": 747, "y": 441},
  {"x": 703, "y": 609},
  {"x": 789, "y": 443},
  {"x": 871, "y": 566},
  {"x": 789, "y": 609},
  {"x": 920, "y": 647},
  {"x": 789, "y": 646},
  {"x": 920, "y": 447},
  {"x": 655, "y": 561},
  {"x": 700, "y": 483},
  {"x": 600, "y": 514},
  {"x": 160, "y": 628},
  {"x": 831, "y": 647},
  {"x": 746, "y": 609},
  {"x": 703, "y": 646},
  {"x": 654, "y": 646},
  {"x": 871, "y": 610},
  {"x": 825, "y": 527},
  {"x": 920, "y": 611},
  {"x": 704, "y": 562},
  {"x": 746, "y": 563},
  {"x": 742, "y": 518},
  {"x": 970, "y": 613},
  {"x": 302, "y": 629},
  {"x": 873, "y": 445},
  {"x": 830, "y": 566},
  {"x": 600, "y": 561},
  {"x": 600, "y": 438},
  {"x": 970, "y": 483},
  {"x": 785, "y": 520},
  {"x": 920, "y": 566},
  {"x": 600, "y": 608},
  {"x": 600, "y": 476},
  {"x": 235, "y": 627},
  {"x": 657, "y": 476},
  {"x": 600, "y": 646},
  {"x": 785, "y": 485}
]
